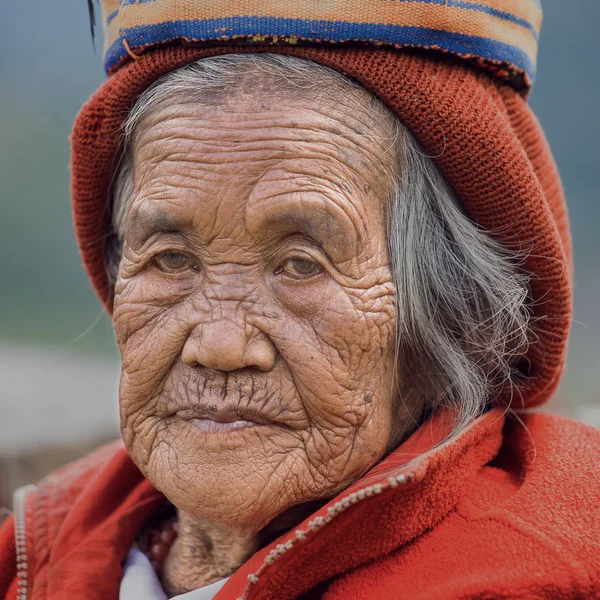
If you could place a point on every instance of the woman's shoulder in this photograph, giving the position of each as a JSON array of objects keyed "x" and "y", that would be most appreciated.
[
  {"x": 551, "y": 424},
  {"x": 74, "y": 475},
  {"x": 526, "y": 526},
  {"x": 105, "y": 477},
  {"x": 544, "y": 484},
  {"x": 551, "y": 451},
  {"x": 533, "y": 511},
  {"x": 73, "y": 519}
]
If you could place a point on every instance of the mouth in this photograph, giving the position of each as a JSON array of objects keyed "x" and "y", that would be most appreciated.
[
  {"x": 209, "y": 426},
  {"x": 221, "y": 420}
]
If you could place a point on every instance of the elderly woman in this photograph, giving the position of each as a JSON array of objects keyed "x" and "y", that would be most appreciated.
[{"x": 337, "y": 276}]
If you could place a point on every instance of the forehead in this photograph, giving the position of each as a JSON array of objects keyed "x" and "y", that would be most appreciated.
[
  {"x": 341, "y": 115},
  {"x": 309, "y": 156}
]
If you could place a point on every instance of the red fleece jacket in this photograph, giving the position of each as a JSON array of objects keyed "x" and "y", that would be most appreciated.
[{"x": 506, "y": 510}]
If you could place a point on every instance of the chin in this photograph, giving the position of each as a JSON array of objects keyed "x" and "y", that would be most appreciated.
[
  {"x": 233, "y": 476},
  {"x": 217, "y": 499}
]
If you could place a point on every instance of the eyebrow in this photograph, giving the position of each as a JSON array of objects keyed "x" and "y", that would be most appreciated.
[
  {"x": 322, "y": 228},
  {"x": 336, "y": 235},
  {"x": 149, "y": 222}
]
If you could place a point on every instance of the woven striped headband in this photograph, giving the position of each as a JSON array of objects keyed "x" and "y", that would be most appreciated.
[{"x": 501, "y": 35}]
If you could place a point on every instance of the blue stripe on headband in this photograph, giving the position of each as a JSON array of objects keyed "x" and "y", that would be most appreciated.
[
  {"x": 462, "y": 4},
  {"x": 311, "y": 30}
]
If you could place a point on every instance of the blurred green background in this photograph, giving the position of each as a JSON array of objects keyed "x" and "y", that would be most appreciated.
[{"x": 59, "y": 363}]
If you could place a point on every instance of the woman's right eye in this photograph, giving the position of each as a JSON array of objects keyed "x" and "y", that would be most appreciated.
[
  {"x": 172, "y": 262},
  {"x": 300, "y": 267}
]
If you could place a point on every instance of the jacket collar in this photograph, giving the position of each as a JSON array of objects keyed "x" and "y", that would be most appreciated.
[
  {"x": 410, "y": 491},
  {"x": 81, "y": 522}
]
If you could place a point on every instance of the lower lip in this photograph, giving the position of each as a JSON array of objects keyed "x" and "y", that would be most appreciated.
[{"x": 208, "y": 426}]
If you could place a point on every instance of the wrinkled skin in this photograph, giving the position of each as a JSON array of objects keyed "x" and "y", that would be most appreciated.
[{"x": 254, "y": 308}]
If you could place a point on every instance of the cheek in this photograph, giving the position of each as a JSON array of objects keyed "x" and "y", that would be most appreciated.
[
  {"x": 340, "y": 348},
  {"x": 146, "y": 334},
  {"x": 142, "y": 298},
  {"x": 150, "y": 337},
  {"x": 347, "y": 329}
]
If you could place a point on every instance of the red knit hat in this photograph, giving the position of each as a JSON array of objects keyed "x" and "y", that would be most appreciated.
[{"x": 486, "y": 141}]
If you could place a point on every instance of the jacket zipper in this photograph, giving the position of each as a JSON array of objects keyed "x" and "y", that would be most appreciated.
[
  {"x": 318, "y": 522},
  {"x": 19, "y": 500}
]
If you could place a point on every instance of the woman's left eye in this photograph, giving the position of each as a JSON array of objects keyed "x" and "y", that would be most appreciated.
[
  {"x": 301, "y": 267},
  {"x": 174, "y": 261}
]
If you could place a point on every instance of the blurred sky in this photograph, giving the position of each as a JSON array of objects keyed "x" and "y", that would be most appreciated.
[{"x": 48, "y": 68}]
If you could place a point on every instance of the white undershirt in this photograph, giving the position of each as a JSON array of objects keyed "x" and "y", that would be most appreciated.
[{"x": 141, "y": 583}]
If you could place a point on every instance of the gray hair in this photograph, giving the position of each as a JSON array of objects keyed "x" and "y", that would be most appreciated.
[{"x": 463, "y": 319}]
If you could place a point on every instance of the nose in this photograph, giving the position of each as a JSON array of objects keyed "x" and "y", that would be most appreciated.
[{"x": 225, "y": 346}]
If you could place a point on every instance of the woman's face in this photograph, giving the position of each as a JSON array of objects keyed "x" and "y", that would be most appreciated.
[{"x": 254, "y": 306}]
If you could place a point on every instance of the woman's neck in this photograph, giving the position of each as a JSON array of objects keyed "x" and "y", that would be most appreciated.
[
  {"x": 202, "y": 553},
  {"x": 205, "y": 552}
]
